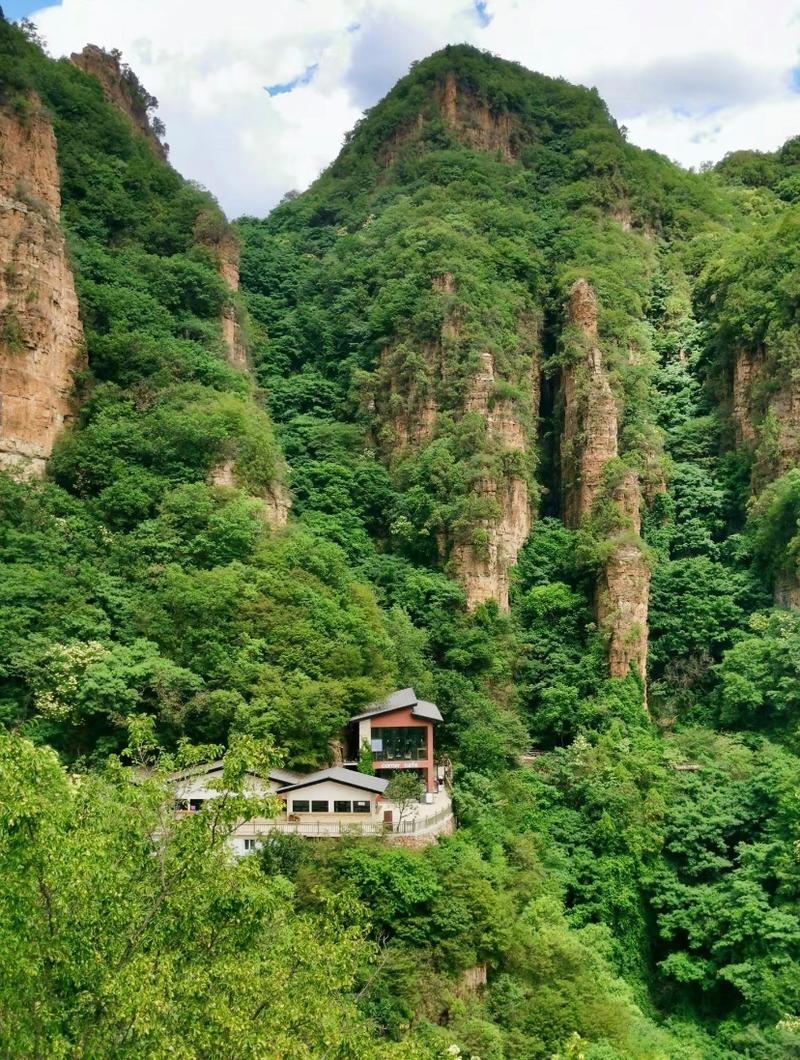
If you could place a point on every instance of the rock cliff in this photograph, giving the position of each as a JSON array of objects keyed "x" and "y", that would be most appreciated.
[
  {"x": 766, "y": 414},
  {"x": 403, "y": 400},
  {"x": 122, "y": 89},
  {"x": 765, "y": 410},
  {"x": 473, "y": 123},
  {"x": 40, "y": 330},
  {"x": 589, "y": 436},
  {"x": 623, "y": 589},
  {"x": 483, "y": 567},
  {"x": 588, "y": 442},
  {"x": 466, "y": 117},
  {"x": 215, "y": 232},
  {"x": 274, "y": 501}
]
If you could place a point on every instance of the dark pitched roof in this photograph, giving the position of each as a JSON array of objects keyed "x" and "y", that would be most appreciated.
[
  {"x": 343, "y": 776},
  {"x": 404, "y": 697},
  {"x": 288, "y": 776},
  {"x": 207, "y": 768}
]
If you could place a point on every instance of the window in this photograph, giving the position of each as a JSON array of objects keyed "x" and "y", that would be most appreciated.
[
  {"x": 343, "y": 807},
  {"x": 361, "y": 806},
  {"x": 376, "y": 744},
  {"x": 250, "y": 845},
  {"x": 319, "y": 805},
  {"x": 300, "y": 806},
  {"x": 400, "y": 744},
  {"x": 196, "y": 804}
]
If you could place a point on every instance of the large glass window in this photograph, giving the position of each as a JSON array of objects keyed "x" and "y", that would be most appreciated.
[
  {"x": 342, "y": 807},
  {"x": 404, "y": 744},
  {"x": 300, "y": 806},
  {"x": 319, "y": 805},
  {"x": 360, "y": 806}
]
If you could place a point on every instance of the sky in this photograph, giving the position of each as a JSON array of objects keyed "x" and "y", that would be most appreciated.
[{"x": 257, "y": 95}]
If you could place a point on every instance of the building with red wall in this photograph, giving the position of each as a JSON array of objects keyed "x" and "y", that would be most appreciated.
[{"x": 399, "y": 732}]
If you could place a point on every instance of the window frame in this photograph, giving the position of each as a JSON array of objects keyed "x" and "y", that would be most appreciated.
[
  {"x": 298, "y": 803},
  {"x": 339, "y": 803},
  {"x": 362, "y": 802},
  {"x": 409, "y": 745},
  {"x": 317, "y": 803}
]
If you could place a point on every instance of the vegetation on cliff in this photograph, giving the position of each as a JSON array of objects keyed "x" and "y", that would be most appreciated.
[{"x": 633, "y": 892}]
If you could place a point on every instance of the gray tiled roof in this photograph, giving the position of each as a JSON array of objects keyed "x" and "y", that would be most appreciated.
[
  {"x": 404, "y": 697},
  {"x": 206, "y": 768},
  {"x": 427, "y": 710},
  {"x": 350, "y": 777}
]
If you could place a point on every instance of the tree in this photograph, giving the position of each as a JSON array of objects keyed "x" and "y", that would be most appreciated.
[
  {"x": 128, "y": 932},
  {"x": 365, "y": 759},
  {"x": 405, "y": 790}
]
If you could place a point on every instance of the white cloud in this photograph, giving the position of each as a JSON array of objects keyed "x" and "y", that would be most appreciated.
[{"x": 692, "y": 78}]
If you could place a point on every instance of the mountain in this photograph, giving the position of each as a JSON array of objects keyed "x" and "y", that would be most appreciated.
[{"x": 531, "y": 393}]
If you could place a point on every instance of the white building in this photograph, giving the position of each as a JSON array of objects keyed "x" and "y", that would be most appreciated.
[{"x": 330, "y": 802}]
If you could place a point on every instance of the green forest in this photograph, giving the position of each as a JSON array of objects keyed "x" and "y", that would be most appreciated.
[{"x": 630, "y": 888}]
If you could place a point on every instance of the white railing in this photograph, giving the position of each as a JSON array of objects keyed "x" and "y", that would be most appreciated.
[{"x": 344, "y": 828}]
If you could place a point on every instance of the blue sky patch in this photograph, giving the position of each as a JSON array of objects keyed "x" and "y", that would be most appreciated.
[
  {"x": 484, "y": 18},
  {"x": 305, "y": 78},
  {"x": 794, "y": 79},
  {"x": 16, "y": 9}
]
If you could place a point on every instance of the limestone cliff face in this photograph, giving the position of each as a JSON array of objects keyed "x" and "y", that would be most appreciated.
[
  {"x": 748, "y": 370},
  {"x": 404, "y": 404},
  {"x": 41, "y": 338},
  {"x": 274, "y": 501},
  {"x": 588, "y": 442},
  {"x": 216, "y": 234},
  {"x": 623, "y": 589},
  {"x": 472, "y": 121},
  {"x": 589, "y": 437},
  {"x": 467, "y": 117},
  {"x": 120, "y": 89},
  {"x": 765, "y": 410},
  {"x": 483, "y": 569}
]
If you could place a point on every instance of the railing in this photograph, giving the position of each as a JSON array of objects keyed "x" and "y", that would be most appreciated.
[
  {"x": 424, "y": 824},
  {"x": 319, "y": 828},
  {"x": 336, "y": 829}
]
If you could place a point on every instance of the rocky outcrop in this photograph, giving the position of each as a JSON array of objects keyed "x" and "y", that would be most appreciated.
[
  {"x": 483, "y": 566},
  {"x": 214, "y": 232},
  {"x": 621, "y": 606},
  {"x": 404, "y": 397},
  {"x": 623, "y": 589},
  {"x": 589, "y": 437},
  {"x": 766, "y": 415},
  {"x": 473, "y": 123},
  {"x": 748, "y": 370},
  {"x": 122, "y": 89},
  {"x": 787, "y": 588},
  {"x": 469, "y": 119},
  {"x": 232, "y": 337},
  {"x": 403, "y": 402},
  {"x": 483, "y": 569},
  {"x": 41, "y": 339},
  {"x": 765, "y": 412},
  {"x": 588, "y": 442},
  {"x": 274, "y": 502}
]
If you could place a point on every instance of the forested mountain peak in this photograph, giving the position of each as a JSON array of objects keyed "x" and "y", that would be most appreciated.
[{"x": 482, "y": 101}]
